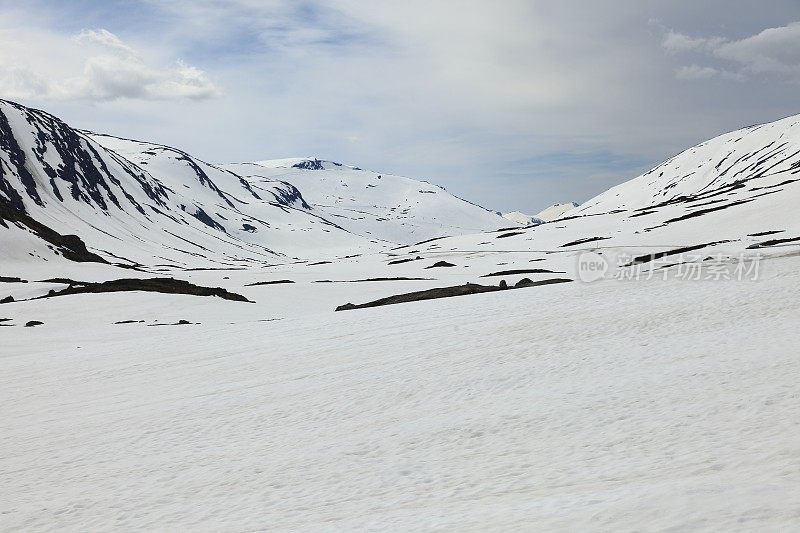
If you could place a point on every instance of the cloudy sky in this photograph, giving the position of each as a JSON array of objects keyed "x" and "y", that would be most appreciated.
[{"x": 515, "y": 104}]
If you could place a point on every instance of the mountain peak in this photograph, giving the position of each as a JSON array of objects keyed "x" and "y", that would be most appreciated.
[{"x": 302, "y": 163}]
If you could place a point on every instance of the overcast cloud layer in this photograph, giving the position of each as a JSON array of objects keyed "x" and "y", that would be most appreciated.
[{"x": 515, "y": 104}]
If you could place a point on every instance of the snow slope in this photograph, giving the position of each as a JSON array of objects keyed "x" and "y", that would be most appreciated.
[
  {"x": 152, "y": 204},
  {"x": 376, "y": 205},
  {"x": 555, "y": 211},
  {"x": 522, "y": 219}
]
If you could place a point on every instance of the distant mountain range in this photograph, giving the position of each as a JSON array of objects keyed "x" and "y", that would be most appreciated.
[
  {"x": 78, "y": 195},
  {"x": 137, "y": 202},
  {"x": 553, "y": 212}
]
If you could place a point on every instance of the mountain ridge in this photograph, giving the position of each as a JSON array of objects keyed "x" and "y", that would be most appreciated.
[
  {"x": 145, "y": 202},
  {"x": 135, "y": 202}
]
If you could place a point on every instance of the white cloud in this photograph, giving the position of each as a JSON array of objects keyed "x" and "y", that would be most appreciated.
[
  {"x": 678, "y": 42},
  {"x": 696, "y": 72},
  {"x": 105, "y": 39},
  {"x": 99, "y": 67},
  {"x": 774, "y": 51},
  {"x": 17, "y": 82}
]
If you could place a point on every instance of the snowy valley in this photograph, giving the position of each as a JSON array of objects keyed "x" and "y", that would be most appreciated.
[{"x": 628, "y": 360}]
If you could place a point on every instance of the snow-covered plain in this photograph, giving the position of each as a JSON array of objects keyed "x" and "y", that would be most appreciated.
[
  {"x": 644, "y": 400},
  {"x": 650, "y": 405}
]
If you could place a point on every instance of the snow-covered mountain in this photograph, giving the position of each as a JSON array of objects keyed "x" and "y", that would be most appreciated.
[
  {"x": 522, "y": 219},
  {"x": 375, "y": 205},
  {"x": 722, "y": 205},
  {"x": 143, "y": 203},
  {"x": 555, "y": 211},
  {"x": 139, "y": 203},
  {"x": 549, "y": 214}
]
